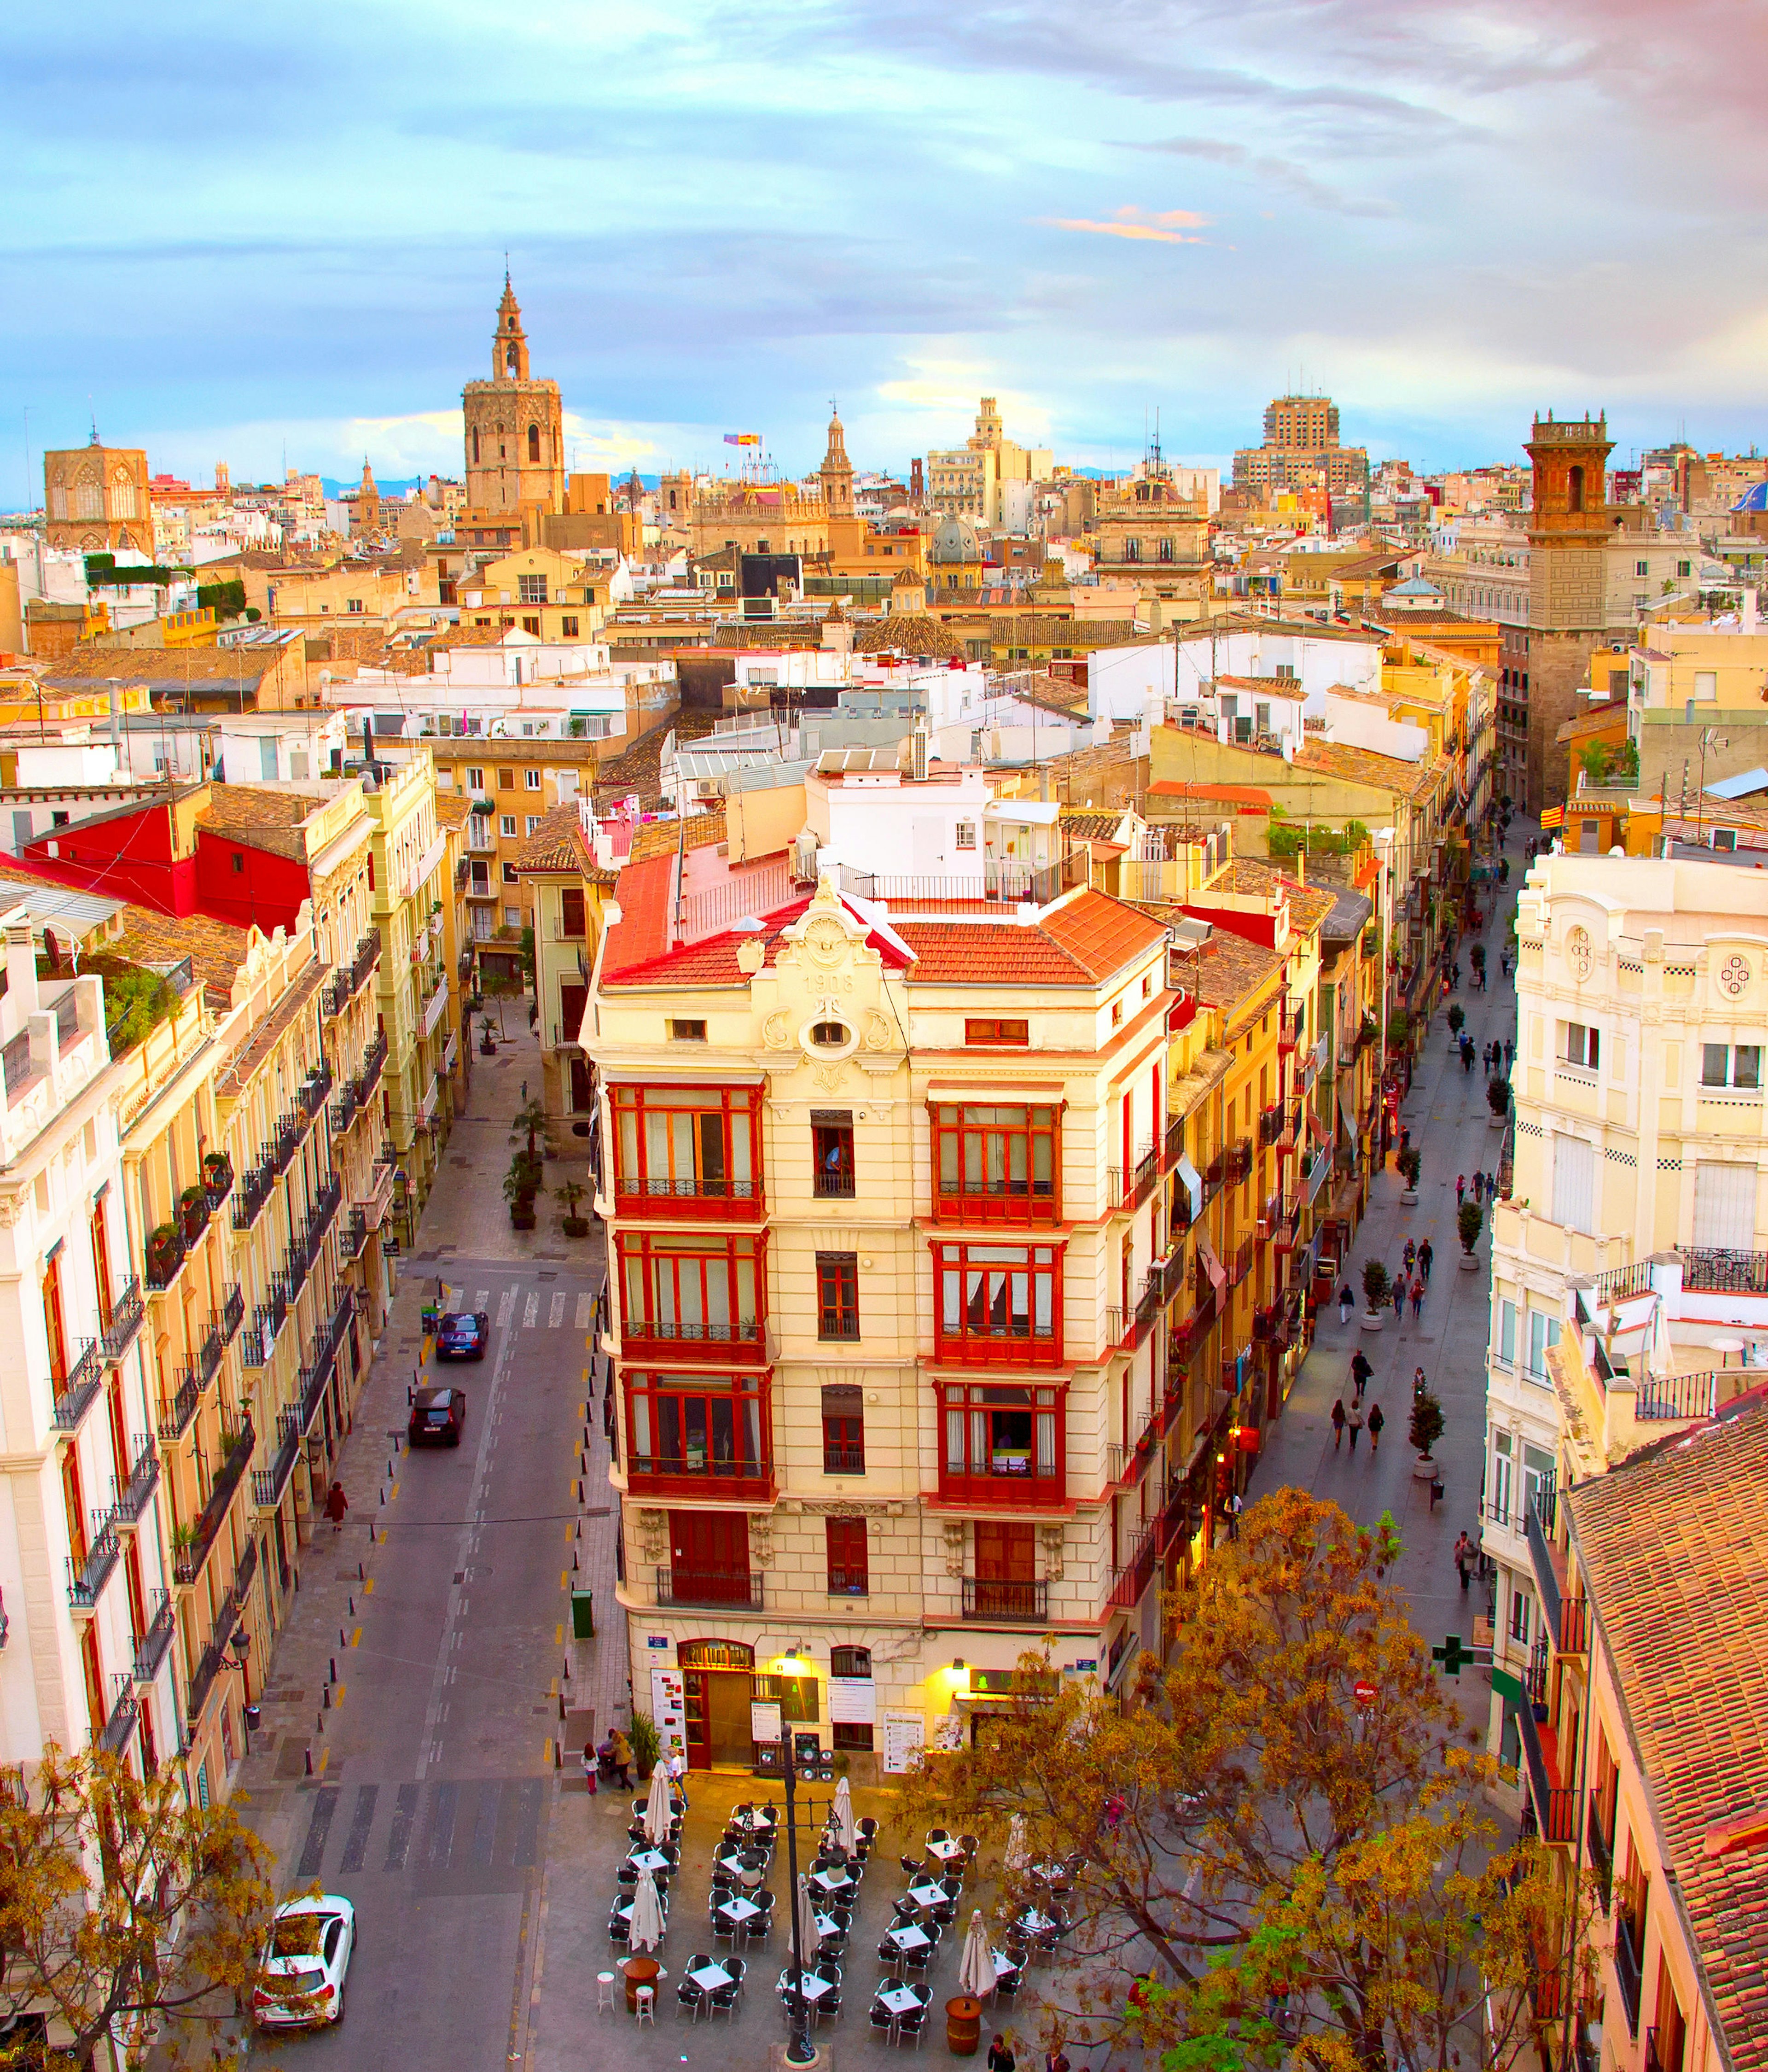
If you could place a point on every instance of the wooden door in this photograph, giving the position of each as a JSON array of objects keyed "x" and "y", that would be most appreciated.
[
  {"x": 101, "y": 1264},
  {"x": 95, "y": 1682},
  {"x": 74, "y": 1502},
  {"x": 52, "y": 1322},
  {"x": 1006, "y": 1569},
  {"x": 696, "y": 1717},
  {"x": 119, "y": 1429},
  {"x": 138, "y": 1596},
  {"x": 709, "y": 1555}
]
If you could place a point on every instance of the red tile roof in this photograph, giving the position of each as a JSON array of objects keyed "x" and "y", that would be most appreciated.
[
  {"x": 1239, "y": 795},
  {"x": 642, "y": 932}
]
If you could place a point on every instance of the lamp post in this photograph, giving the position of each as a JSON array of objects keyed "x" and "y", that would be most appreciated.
[{"x": 798, "y": 2049}]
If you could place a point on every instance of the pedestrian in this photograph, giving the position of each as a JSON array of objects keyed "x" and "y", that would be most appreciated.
[
  {"x": 1417, "y": 1297},
  {"x": 1409, "y": 1255},
  {"x": 1376, "y": 1420},
  {"x": 619, "y": 1756},
  {"x": 1425, "y": 1256},
  {"x": 337, "y": 1504},
  {"x": 1400, "y": 1300},
  {"x": 1338, "y": 1423},
  {"x": 1360, "y": 1371},
  {"x": 1000, "y": 2057},
  {"x": 1468, "y": 1055},
  {"x": 1346, "y": 1301},
  {"x": 1466, "y": 1556},
  {"x": 1056, "y": 2059},
  {"x": 1231, "y": 1510},
  {"x": 1353, "y": 1420},
  {"x": 1419, "y": 1384},
  {"x": 1461, "y": 1187},
  {"x": 590, "y": 1768},
  {"x": 1479, "y": 1188},
  {"x": 676, "y": 1770},
  {"x": 1509, "y": 1046}
]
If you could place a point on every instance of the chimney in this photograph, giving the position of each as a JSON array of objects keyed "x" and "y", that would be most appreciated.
[
  {"x": 21, "y": 973},
  {"x": 918, "y": 767}
]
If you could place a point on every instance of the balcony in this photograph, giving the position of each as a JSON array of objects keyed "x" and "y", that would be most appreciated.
[
  {"x": 346, "y": 1109},
  {"x": 289, "y": 1132},
  {"x": 1130, "y": 1579},
  {"x": 232, "y": 1314},
  {"x": 1019, "y": 1203},
  {"x": 126, "y": 1315},
  {"x": 123, "y": 1713},
  {"x": 1556, "y": 1807},
  {"x": 843, "y": 1459},
  {"x": 227, "y": 1616},
  {"x": 1173, "y": 1149},
  {"x": 194, "y": 1211},
  {"x": 151, "y": 1646},
  {"x": 175, "y": 1418},
  {"x": 1564, "y": 1614},
  {"x": 316, "y": 1376},
  {"x": 75, "y": 1396},
  {"x": 367, "y": 956},
  {"x": 712, "y": 1589},
  {"x": 315, "y": 1090},
  {"x": 699, "y": 1474},
  {"x": 208, "y": 1353},
  {"x": 86, "y": 1581},
  {"x": 1601, "y": 1850},
  {"x": 1016, "y": 1604},
  {"x": 268, "y": 1483},
  {"x": 218, "y": 1177},
  {"x": 187, "y": 1561},
  {"x": 1629, "y": 1953},
  {"x": 1130, "y": 1189},
  {"x": 1239, "y": 1162},
  {"x": 165, "y": 1250},
  {"x": 1662, "y": 1398},
  {"x": 353, "y": 1239},
  {"x": 251, "y": 1194},
  {"x": 374, "y": 1204},
  {"x": 132, "y": 1499},
  {"x": 373, "y": 1064},
  {"x": 693, "y": 1199},
  {"x": 744, "y": 1339}
]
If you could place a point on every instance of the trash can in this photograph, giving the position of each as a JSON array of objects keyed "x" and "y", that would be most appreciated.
[{"x": 583, "y": 1614}]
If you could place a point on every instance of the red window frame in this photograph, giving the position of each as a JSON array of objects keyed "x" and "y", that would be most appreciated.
[
  {"x": 997, "y": 1304},
  {"x": 985, "y": 1164},
  {"x": 838, "y": 1295},
  {"x": 711, "y": 1172},
  {"x": 677, "y": 1443},
  {"x": 844, "y": 1548},
  {"x": 671, "y": 1298},
  {"x": 1003, "y": 1443},
  {"x": 1010, "y": 1031}
]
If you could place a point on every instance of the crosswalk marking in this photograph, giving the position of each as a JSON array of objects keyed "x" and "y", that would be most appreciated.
[
  {"x": 481, "y": 1297},
  {"x": 506, "y": 1308},
  {"x": 586, "y": 1309},
  {"x": 487, "y": 1823},
  {"x": 531, "y": 1312},
  {"x": 555, "y": 1314}
]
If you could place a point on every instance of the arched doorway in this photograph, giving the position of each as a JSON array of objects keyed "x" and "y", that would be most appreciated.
[{"x": 717, "y": 1683}]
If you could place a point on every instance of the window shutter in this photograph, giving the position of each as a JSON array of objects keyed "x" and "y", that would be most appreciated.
[
  {"x": 1725, "y": 1206},
  {"x": 1574, "y": 1183}
]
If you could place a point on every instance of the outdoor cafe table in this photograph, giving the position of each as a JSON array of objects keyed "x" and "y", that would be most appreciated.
[
  {"x": 814, "y": 1987},
  {"x": 908, "y": 1939},
  {"x": 946, "y": 1851},
  {"x": 758, "y": 1820},
  {"x": 648, "y": 1860},
  {"x": 623, "y": 1908},
  {"x": 710, "y": 1977},
  {"x": 897, "y": 2000},
  {"x": 737, "y": 1911},
  {"x": 926, "y": 1893},
  {"x": 1035, "y": 1923},
  {"x": 833, "y": 1882}
]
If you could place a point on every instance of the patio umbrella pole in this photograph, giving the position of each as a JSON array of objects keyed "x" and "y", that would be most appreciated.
[{"x": 798, "y": 2042}]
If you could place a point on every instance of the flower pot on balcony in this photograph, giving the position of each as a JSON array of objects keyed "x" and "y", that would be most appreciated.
[
  {"x": 194, "y": 1204},
  {"x": 162, "y": 1253}
]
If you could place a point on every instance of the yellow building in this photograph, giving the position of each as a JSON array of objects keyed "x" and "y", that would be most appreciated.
[
  {"x": 554, "y": 596},
  {"x": 1146, "y": 531}
]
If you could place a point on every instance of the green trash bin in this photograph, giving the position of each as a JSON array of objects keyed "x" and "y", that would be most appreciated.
[{"x": 583, "y": 1614}]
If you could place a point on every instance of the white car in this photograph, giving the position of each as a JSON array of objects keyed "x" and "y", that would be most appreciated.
[{"x": 311, "y": 1941}]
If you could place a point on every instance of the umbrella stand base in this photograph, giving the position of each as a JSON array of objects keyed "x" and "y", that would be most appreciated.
[{"x": 822, "y": 2059}]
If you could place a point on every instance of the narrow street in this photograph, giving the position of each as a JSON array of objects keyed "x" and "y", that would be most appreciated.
[
  {"x": 420, "y": 1676},
  {"x": 1449, "y": 1120}
]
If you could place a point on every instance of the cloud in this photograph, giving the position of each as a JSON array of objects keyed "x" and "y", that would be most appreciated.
[
  {"x": 1267, "y": 170},
  {"x": 1167, "y": 228}
]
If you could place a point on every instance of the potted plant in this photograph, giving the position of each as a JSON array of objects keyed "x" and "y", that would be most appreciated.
[
  {"x": 217, "y": 1174},
  {"x": 521, "y": 1184},
  {"x": 1399, "y": 1029},
  {"x": 1410, "y": 1161},
  {"x": 487, "y": 1041},
  {"x": 193, "y": 1204},
  {"x": 1377, "y": 1292},
  {"x": 1498, "y": 1100},
  {"x": 1476, "y": 956},
  {"x": 165, "y": 1248},
  {"x": 1469, "y": 1219},
  {"x": 1457, "y": 1017},
  {"x": 646, "y": 1745},
  {"x": 570, "y": 1192},
  {"x": 1423, "y": 1432}
]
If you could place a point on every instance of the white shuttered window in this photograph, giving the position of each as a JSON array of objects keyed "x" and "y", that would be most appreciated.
[
  {"x": 1574, "y": 1183},
  {"x": 1725, "y": 1206}
]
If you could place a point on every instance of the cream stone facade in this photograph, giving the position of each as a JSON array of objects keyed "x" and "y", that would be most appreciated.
[
  {"x": 95, "y": 500},
  {"x": 514, "y": 428}
]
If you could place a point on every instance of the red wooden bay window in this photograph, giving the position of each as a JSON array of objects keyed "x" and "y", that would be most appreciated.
[
  {"x": 1002, "y": 1445},
  {"x": 997, "y": 1165},
  {"x": 685, "y": 1291},
  {"x": 998, "y": 1305},
  {"x": 700, "y": 1434},
  {"x": 687, "y": 1151}
]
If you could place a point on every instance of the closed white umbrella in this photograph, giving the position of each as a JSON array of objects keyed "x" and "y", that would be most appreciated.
[
  {"x": 809, "y": 1933},
  {"x": 1018, "y": 1855},
  {"x": 976, "y": 1968},
  {"x": 647, "y": 1915},
  {"x": 657, "y": 1807},
  {"x": 843, "y": 1813}
]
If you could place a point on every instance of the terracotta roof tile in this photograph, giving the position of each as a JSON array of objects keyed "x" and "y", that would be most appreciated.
[
  {"x": 452, "y": 810},
  {"x": 259, "y": 817},
  {"x": 216, "y": 950},
  {"x": 1674, "y": 1555},
  {"x": 663, "y": 837},
  {"x": 1365, "y": 766}
]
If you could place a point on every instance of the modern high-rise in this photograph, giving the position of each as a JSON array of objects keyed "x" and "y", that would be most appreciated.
[{"x": 1301, "y": 450}]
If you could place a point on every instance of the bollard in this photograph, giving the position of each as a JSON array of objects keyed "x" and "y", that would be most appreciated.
[
  {"x": 566, "y": 1678},
  {"x": 352, "y": 1607},
  {"x": 333, "y": 1665},
  {"x": 343, "y": 1641},
  {"x": 327, "y": 1695},
  {"x": 561, "y": 1704},
  {"x": 383, "y": 1500},
  {"x": 409, "y": 1398},
  {"x": 360, "y": 1577},
  {"x": 558, "y": 1762},
  {"x": 310, "y": 1762}
]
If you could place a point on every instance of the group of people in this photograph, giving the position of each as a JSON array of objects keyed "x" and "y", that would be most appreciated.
[
  {"x": 1485, "y": 1185},
  {"x": 1496, "y": 1056}
]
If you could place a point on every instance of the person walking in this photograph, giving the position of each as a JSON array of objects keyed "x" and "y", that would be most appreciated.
[
  {"x": 1360, "y": 1371},
  {"x": 1461, "y": 1188},
  {"x": 1466, "y": 1558},
  {"x": 337, "y": 1504},
  {"x": 1000, "y": 2056},
  {"x": 1410, "y": 1256},
  {"x": 1419, "y": 1384},
  {"x": 1417, "y": 1297},
  {"x": 1479, "y": 1188},
  {"x": 1509, "y": 1047},
  {"x": 1424, "y": 1257},
  {"x": 1346, "y": 1300},
  {"x": 590, "y": 1768},
  {"x": 1353, "y": 1421},
  {"x": 1231, "y": 1510},
  {"x": 1338, "y": 1423},
  {"x": 620, "y": 1755},
  {"x": 1400, "y": 1300},
  {"x": 1376, "y": 1420}
]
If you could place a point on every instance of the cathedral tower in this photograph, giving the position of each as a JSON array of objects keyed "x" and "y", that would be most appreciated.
[
  {"x": 515, "y": 427},
  {"x": 837, "y": 473}
]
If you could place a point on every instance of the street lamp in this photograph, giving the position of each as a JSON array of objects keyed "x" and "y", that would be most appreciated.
[{"x": 798, "y": 2050}]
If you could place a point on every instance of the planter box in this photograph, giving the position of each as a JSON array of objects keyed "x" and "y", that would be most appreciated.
[
  {"x": 522, "y": 1219},
  {"x": 1409, "y": 1196},
  {"x": 1469, "y": 1262},
  {"x": 576, "y": 1226},
  {"x": 1372, "y": 1320}
]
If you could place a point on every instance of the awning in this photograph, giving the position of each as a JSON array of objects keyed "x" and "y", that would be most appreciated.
[
  {"x": 1217, "y": 1272},
  {"x": 1194, "y": 1184}
]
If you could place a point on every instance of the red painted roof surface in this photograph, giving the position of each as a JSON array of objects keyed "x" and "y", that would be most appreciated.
[
  {"x": 1242, "y": 794},
  {"x": 713, "y": 961},
  {"x": 1084, "y": 940},
  {"x": 642, "y": 932}
]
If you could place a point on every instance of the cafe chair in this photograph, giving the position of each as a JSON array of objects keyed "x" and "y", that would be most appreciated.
[
  {"x": 970, "y": 1846},
  {"x": 912, "y": 2022},
  {"x": 881, "y": 2017},
  {"x": 618, "y": 1930},
  {"x": 627, "y": 1875},
  {"x": 889, "y": 1953},
  {"x": 689, "y": 1995},
  {"x": 911, "y": 1866},
  {"x": 938, "y": 1834}
]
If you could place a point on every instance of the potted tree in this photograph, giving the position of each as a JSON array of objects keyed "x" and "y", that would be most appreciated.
[
  {"x": 1457, "y": 1017},
  {"x": 1469, "y": 1218},
  {"x": 570, "y": 1192},
  {"x": 1377, "y": 1292},
  {"x": 194, "y": 1210},
  {"x": 1424, "y": 1430},
  {"x": 1498, "y": 1100},
  {"x": 645, "y": 1745},
  {"x": 487, "y": 1041},
  {"x": 217, "y": 1175},
  {"x": 165, "y": 1248},
  {"x": 1476, "y": 956},
  {"x": 521, "y": 1184},
  {"x": 1410, "y": 1161}
]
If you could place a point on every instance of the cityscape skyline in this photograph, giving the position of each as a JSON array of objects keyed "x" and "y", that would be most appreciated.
[{"x": 1446, "y": 227}]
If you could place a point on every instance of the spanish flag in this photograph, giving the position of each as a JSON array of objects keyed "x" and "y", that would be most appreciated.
[{"x": 742, "y": 439}]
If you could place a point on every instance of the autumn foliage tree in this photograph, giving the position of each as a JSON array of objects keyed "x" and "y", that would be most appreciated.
[
  {"x": 1268, "y": 1868},
  {"x": 126, "y": 1911}
]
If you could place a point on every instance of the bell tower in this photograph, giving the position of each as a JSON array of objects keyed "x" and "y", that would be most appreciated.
[
  {"x": 837, "y": 472},
  {"x": 514, "y": 428}
]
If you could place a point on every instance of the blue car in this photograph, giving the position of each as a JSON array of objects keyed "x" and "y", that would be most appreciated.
[{"x": 463, "y": 1334}]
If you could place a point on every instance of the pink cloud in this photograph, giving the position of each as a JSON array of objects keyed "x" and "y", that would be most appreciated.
[{"x": 1154, "y": 227}]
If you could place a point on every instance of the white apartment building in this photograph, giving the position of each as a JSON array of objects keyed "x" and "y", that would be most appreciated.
[{"x": 1640, "y": 1154}]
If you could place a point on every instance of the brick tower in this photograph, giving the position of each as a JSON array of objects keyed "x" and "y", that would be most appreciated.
[
  {"x": 1568, "y": 529},
  {"x": 515, "y": 427}
]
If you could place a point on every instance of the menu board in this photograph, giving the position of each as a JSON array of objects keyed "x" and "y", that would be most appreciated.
[
  {"x": 669, "y": 1711},
  {"x": 905, "y": 1737},
  {"x": 853, "y": 1699},
  {"x": 764, "y": 1721}
]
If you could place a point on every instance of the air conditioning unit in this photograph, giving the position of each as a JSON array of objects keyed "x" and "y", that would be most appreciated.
[{"x": 804, "y": 857}]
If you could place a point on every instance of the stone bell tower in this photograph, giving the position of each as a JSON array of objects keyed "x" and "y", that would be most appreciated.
[
  {"x": 515, "y": 427},
  {"x": 1569, "y": 527},
  {"x": 837, "y": 472}
]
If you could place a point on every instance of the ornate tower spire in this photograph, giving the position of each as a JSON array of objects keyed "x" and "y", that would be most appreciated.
[
  {"x": 509, "y": 348},
  {"x": 837, "y": 472}
]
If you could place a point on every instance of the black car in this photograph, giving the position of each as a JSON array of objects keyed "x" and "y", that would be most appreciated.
[
  {"x": 438, "y": 1417},
  {"x": 463, "y": 1334}
]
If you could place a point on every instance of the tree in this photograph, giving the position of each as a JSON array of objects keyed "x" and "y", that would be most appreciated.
[
  {"x": 1427, "y": 1421},
  {"x": 127, "y": 1911},
  {"x": 529, "y": 1121},
  {"x": 1498, "y": 1095},
  {"x": 1470, "y": 1219},
  {"x": 1253, "y": 1829},
  {"x": 1411, "y": 1164},
  {"x": 1377, "y": 1288}
]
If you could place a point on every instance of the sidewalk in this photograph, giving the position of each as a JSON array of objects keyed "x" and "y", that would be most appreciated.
[{"x": 1448, "y": 1117}]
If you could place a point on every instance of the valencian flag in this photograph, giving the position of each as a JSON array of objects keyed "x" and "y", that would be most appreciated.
[{"x": 742, "y": 439}]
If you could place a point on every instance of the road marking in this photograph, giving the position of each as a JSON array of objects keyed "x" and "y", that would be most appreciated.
[
  {"x": 368, "y": 1588},
  {"x": 555, "y": 1313},
  {"x": 355, "y": 1637},
  {"x": 336, "y": 1695},
  {"x": 586, "y": 1309},
  {"x": 558, "y": 1636},
  {"x": 481, "y": 1297},
  {"x": 506, "y": 1308},
  {"x": 531, "y": 1312},
  {"x": 546, "y": 1751}
]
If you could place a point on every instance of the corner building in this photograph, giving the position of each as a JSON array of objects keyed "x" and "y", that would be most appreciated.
[{"x": 884, "y": 1203}]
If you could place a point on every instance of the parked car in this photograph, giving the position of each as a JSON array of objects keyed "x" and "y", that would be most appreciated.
[
  {"x": 463, "y": 1334},
  {"x": 311, "y": 1943},
  {"x": 438, "y": 1417}
]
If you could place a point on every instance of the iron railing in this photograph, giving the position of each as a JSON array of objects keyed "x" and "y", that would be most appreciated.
[
  {"x": 1016, "y": 1602},
  {"x": 268, "y": 1483},
  {"x": 74, "y": 1398},
  {"x": 126, "y": 1315},
  {"x": 151, "y": 1646},
  {"x": 121, "y": 1724},
  {"x": 709, "y": 1588},
  {"x": 187, "y": 1561},
  {"x": 181, "y": 1408},
  {"x": 132, "y": 1497},
  {"x": 85, "y": 1582},
  {"x": 251, "y": 1194}
]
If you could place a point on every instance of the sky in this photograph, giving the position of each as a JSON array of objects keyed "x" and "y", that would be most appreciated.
[{"x": 236, "y": 234}]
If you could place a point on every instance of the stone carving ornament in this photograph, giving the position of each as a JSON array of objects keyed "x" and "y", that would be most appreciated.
[
  {"x": 1734, "y": 975},
  {"x": 1577, "y": 952}
]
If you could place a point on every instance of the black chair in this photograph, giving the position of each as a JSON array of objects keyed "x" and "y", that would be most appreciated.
[
  {"x": 938, "y": 1834},
  {"x": 881, "y": 2017},
  {"x": 689, "y": 1995},
  {"x": 904, "y": 1911},
  {"x": 911, "y": 1866},
  {"x": 627, "y": 1875},
  {"x": 952, "y": 1887},
  {"x": 619, "y": 1930},
  {"x": 889, "y": 1953},
  {"x": 946, "y": 1913},
  {"x": 911, "y": 2022},
  {"x": 970, "y": 1846},
  {"x": 868, "y": 1827},
  {"x": 1008, "y": 1982}
]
